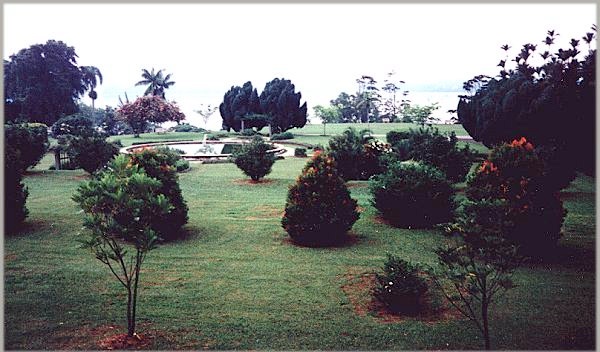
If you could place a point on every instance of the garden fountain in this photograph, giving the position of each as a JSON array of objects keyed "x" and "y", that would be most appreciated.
[{"x": 201, "y": 150}]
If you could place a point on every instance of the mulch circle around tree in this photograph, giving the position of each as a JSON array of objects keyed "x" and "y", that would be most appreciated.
[{"x": 358, "y": 288}]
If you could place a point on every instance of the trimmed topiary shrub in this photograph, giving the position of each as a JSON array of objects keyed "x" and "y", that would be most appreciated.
[
  {"x": 253, "y": 159},
  {"x": 514, "y": 173},
  {"x": 30, "y": 140},
  {"x": 412, "y": 194},
  {"x": 300, "y": 152},
  {"x": 400, "y": 287},
  {"x": 319, "y": 210},
  {"x": 160, "y": 164},
  {"x": 282, "y": 136},
  {"x": 248, "y": 132}
]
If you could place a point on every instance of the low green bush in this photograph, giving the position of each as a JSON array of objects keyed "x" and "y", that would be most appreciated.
[
  {"x": 348, "y": 150},
  {"x": 300, "y": 152},
  {"x": 248, "y": 132},
  {"x": 186, "y": 127},
  {"x": 400, "y": 287},
  {"x": 412, "y": 194},
  {"x": 319, "y": 210},
  {"x": 253, "y": 158},
  {"x": 182, "y": 165},
  {"x": 282, "y": 136}
]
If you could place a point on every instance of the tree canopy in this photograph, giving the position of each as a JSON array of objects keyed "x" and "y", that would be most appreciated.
[
  {"x": 156, "y": 82},
  {"x": 552, "y": 104},
  {"x": 150, "y": 108},
  {"x": 278, "y": 105},
  {"x": 43, "y": 83}
]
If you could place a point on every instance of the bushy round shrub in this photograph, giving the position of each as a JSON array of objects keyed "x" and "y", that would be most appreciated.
[
  {"x": 319, "y": 210},
  {"x": 300, "y": 152},
  {"x": 514, "y": 173},
  {"x": 400, "y": 287},
  {"x": 91, "y": 153},
  {"x": 161, "y": 164},
  {"x": 248, "y": 132},
  {"x": 412, "y": 194},
  {"x": 438, "y": 149},
  {"x": 76, "y": 124},
  {"x": 253, "y": 158},
  {"x": 348, "y": 150},
  {"x": 31, "y": 141}
]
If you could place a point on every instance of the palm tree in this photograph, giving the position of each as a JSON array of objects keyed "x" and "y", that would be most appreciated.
[
  {"x": 156, "y": 82},
  {"x": 89, "y": 74}
]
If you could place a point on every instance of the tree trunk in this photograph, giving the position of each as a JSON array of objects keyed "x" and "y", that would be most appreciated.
[
  {"x": 138, "y": 265},
  {"x": 130, "y": 320},
  {"x": 484, "y": 318}
]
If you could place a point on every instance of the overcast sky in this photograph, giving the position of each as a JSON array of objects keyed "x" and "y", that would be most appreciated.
[{"x": 322, "y": 48}]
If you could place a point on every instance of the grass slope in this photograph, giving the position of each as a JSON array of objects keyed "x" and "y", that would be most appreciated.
[{"x": 236, "y": 283}]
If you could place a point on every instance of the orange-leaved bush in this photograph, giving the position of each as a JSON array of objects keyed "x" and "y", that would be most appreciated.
[
  {"x": 319, "y": 210},
  {"x": 515, "y": 174}
]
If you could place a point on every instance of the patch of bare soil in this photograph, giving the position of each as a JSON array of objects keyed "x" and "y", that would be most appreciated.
[
  {"x": 251, "y": 182},
  {"x": 109, "y": 337},
  {"x": 357, "y": 184},
  {"x": 358, "y": 288},
  {"x": 266, "y": 212}
]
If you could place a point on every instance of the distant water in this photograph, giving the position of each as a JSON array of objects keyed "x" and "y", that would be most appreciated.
[{"x": 446, "y": 101}]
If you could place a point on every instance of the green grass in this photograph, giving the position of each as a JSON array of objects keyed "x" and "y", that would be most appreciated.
[{"x": 236, "y": 283}]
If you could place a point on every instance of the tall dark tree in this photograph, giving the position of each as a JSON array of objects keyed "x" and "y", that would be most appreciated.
[
  {"x": 42, "y": 83},
  {"x": 367, "y": 99},
  {"x": 282, "y": 104},
  {"x": 156, "y": 82},
  {"x": 552, "y": 105},
  {"x": 89, "y": 74},
  {"x": 239, "y": 104}
]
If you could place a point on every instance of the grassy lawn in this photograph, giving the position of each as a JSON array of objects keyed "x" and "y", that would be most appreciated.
[{"x": 236, "y": 283}]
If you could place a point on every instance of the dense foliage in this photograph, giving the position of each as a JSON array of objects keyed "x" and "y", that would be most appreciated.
[
  {"x": 515, "y": 174},
  {"x": 400, "y": 287},
  {"x": 254, "y": 158},
  {"x": 238, "y": 103},
  {"x": 15, "y": 192},
  {"x": 121, "y": 206},
  {"x": 278, "y": 105},
  {"x": 552, "y": 105},
  {"x": 161, "y": 164},
  {"x": 319, "y": 210},
  {"x": 186, "y": 127},
  {"x": 357, "y": 154},
  {"x": 412, "y": 194},
  {"x": 430, "y": 146},
  {"x": 29, "y": 140},
  {"x": 43, "y": 83},
  {"x": 150, "y": 108},
  {"x": 281, "y": 103},
  {"x": 90, "y": 152},
  {"x": 76, "y": 124}
]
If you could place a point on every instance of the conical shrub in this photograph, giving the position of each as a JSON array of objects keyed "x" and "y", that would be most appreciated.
[{"x": 319, "y": 210}]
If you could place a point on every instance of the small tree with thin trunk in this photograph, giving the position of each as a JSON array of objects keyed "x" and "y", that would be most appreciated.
[
  {"x": 149, "y": 108},
  {"x": 479, "y": 264},
  {"x": 120, "y": 205}
]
